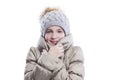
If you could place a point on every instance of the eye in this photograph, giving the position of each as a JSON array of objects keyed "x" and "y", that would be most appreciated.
[
  {"x": 60, "y": 31},
  {"x": 48, "y": 31}
]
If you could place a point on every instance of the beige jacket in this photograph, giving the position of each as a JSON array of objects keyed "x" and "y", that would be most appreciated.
[{"x": 42, "y": 66}]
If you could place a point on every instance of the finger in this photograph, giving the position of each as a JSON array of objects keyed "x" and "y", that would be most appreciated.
[
  {"x": 61, "y": 48},
  {"x": 59, "y": 45},
  {"x": 61, "y": 51},
  {"x": 60, "y": 55}
]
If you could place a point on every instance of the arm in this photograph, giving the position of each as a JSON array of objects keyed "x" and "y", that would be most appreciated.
[
  {"x": 76, "y": 68},
  {"x": 33, "y": 70}
]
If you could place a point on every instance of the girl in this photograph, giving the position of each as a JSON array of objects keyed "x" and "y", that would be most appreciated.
[{"x": 55, "y": 57}]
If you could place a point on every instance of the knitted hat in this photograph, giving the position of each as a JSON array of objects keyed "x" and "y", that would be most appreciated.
[{"x": 55, "y": 18}]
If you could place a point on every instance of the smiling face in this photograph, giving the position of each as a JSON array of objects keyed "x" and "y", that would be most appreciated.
[{"x": 54, "y": 34}]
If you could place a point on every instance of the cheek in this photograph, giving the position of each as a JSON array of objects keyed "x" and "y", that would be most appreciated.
[
  {"x": 62, "y": 35},
  {"x": 46, "y": 37}
]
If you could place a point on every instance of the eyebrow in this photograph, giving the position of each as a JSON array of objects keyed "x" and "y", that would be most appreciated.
[
  {"x": 59, "y": 29},
  {"x": 48, "y": 29}
]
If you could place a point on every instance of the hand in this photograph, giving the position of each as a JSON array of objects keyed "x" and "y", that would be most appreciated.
[{"x": 57, "y": 50}]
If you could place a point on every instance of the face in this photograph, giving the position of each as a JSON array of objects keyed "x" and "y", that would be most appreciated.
[{"x": 54, "y": 34}]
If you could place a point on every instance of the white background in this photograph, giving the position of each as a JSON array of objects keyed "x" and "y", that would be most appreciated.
[{"x": 95, "y": 25}]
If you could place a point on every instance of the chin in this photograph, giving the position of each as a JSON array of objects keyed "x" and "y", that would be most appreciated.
[{"x": 52, "y": 43}]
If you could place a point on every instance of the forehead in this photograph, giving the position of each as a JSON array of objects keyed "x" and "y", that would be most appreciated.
[{"x": 54, "y": 28}]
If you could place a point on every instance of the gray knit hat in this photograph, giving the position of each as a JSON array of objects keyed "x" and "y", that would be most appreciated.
[{"x": 55, "y": 18}]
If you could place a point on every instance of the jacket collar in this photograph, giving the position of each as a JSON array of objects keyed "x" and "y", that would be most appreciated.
[{"x": 66, "y": 42}]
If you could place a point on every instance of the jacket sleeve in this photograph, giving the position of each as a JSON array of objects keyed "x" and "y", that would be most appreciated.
[
  {"x": 34, "y": 70},
  {"x": 76, "y": 68}
]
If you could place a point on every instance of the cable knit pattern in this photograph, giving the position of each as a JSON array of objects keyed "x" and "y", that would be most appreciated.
[{"x": 54, "y": 18}]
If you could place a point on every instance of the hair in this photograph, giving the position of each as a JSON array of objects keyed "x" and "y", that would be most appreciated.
[{"x": 48, "y": 10}]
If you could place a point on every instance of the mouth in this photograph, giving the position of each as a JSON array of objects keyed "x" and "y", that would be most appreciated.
[{"x": 54, "y": 42}]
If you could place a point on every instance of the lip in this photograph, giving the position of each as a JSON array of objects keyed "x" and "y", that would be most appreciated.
[{"x": 53, "y": 42}]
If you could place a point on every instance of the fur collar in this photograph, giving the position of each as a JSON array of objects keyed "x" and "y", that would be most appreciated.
[{"x": 66, "y": 42}]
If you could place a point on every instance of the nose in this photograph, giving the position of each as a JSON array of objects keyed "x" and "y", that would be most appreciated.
[{"x": 54, "y": 36}]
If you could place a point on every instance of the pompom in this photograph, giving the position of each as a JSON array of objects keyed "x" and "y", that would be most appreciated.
[{"x": 48, "y": 10}]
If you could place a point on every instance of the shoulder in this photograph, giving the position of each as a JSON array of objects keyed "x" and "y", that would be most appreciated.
[
  {"x": 33, "y": 53},
  {"x": 34, "y": 49},
  {"x": 76, "y": 49},
  {"x": 76, "y": 53}
]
